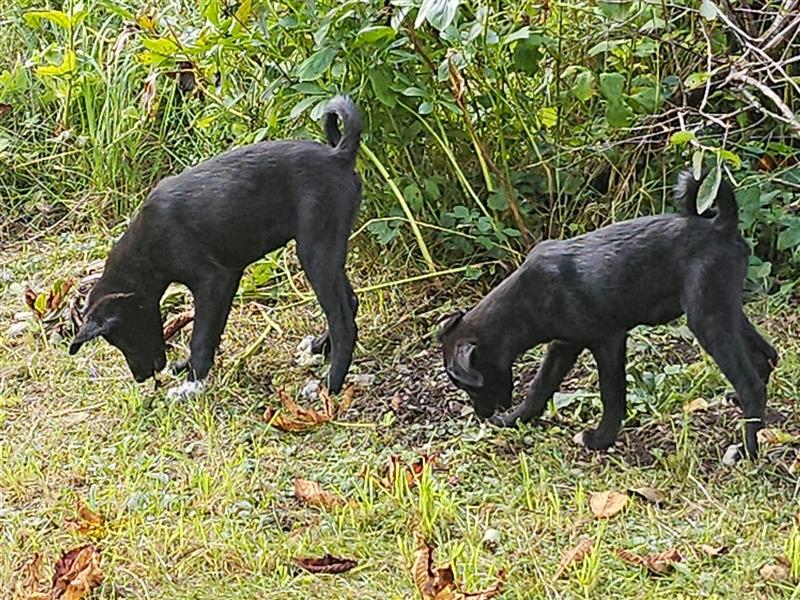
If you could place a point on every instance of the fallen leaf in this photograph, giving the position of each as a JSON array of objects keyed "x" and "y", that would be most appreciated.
[
  {"x": 311, "y": 493},
  {"x": 657, "y": 564},
  {"x": 411, "y": 473},
  {"x": 713, "y": 551},
  {"x": 86, "y": 520},
  {"x": 326, "y": 564},
  {"x": 294, "y": 417},
  {"x": 650, "y": 494},
  {"x": 439, "y": 583},
  {"x": 574, "y": 556},
  {"x": 774, "y": 437},
  {"x": 696, "y": 404},
  {"x": 76, "y": 574},
  {"x": 607, "y": 504},
  {"x": 176, "y": 323},
  {"x": 777, "y": 571},
  {"x": 149, "y": 94},
  {"x": 4, "y": 108},
  {"x": 29, "y": 588},
  {"x": 432, "y": 583}
]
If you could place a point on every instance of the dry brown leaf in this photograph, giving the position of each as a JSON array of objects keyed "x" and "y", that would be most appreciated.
[
  {"x": 607, "y": 504},
  {"x": 657, "y": 564},
  {"x": 439, "y": 583},
  {"x": 574, "y": 556},
  {"x": 294, "y": 417},
  {"x": 76, "y": 574},
  {"x": 327, "y": 564},
  {"x": 777, "y": 571},
  {"x": 149, "y": 94},
  {"x": 696, "y": 404},
  {"x": 432, "y": 583},
  {"x": 311, "y": 493},
  {"x": 29, "y": 588},
  {"x": 86, "y": 520},
  {"x": 176, "y": 323},
  {"x": 411, "y": 473},
  {"x": 713, "y": 551},
  {"x": 650, "y": 494},
  {"x": 5, "y": 108},
  {"x": 774, "y": 437}
]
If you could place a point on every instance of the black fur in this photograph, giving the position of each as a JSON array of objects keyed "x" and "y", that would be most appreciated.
[
  {"x": 205, "y": 225},
  {"x": 588, "y": 291}
]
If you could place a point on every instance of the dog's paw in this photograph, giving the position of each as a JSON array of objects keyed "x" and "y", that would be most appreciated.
[
  {"x": 304, "y": 353},
  {"x": 579, "y": 438},
  {"x": 185, "y": 391},
  {"x": 509, "y": 420},
  {"x": 594, "y": 439},
  {"x": 733, "y": 454},
  {"x": 310, "y": 391}
]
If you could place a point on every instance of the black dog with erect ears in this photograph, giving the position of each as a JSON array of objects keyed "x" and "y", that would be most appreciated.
[
  {"x": 205, "y": 225},
  {"x": 589, "y": 291}
]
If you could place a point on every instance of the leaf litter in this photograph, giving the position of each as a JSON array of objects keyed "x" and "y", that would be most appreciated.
[
  {"x": 606, "y": 504},
  {"x": 294, "y": 418},
  {"x": 438, "y": 583},
  {"x": 311, "y": 493},
  {"x": 574, "y": 556},
  {"x": 326, "y": 565}
]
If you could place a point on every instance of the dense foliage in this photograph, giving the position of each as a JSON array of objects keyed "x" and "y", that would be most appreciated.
[{"x": 489, "y": 125}]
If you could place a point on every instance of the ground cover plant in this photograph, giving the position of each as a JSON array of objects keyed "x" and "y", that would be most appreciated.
[{"x": 488, "y": 126}]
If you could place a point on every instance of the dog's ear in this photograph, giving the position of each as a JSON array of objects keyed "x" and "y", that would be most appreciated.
[
  {"x": 448, "y": 322},
  {"x": 460, "y": 368},
  {"x": 88, "y": 331}
]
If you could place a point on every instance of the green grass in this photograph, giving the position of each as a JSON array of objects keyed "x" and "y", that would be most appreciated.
[{"x": 198, "y": 496}]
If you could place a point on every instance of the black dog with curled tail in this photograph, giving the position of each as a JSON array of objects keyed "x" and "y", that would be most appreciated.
[{"x": 205, "y": 225}]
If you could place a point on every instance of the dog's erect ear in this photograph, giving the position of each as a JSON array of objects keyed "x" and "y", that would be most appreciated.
[
  {"x": 88, "y": 331},
  {"x": 447, "y": 323},
  {"x": 459, "y": 367}
]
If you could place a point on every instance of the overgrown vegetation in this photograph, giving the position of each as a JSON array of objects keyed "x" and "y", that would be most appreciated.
[{"x": 488, "y": 126}]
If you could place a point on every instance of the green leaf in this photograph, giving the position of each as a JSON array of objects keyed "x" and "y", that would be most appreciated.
[
  {"x": 439, "y": 13},
  {"x": 527, "y": 55},
  {"x": 57, "y": 17},
  {"x": 708, "y": 189},
  {"x": 375, "y": 33},
  {"x": 425, "y": 108},
  {"x": 612, "y": 85},
  {"x": 789, "y": 237},
  {"x": 616, "y": 9},
  {"x": 414, "y": 92},
  {"x": 681, "y": 137},
  {"x": 498, "y": 200},
  {"x": 381, "y": 83},
  {"x": 67, "y": 66},
  {"x": 413, "y": 195},
  {"x": 731, "y": 157},
  {"x": 697, "y": 164},
  {"x": 548, "y": 116},
  {"x": 695, "y": 80},
  {"x": 584, "y": 85},
  {"x": 315, "y": 65},
  {"x": 162, "y": 46},
  {"x": 618, "y": 114},
  {"x": 241, "y": 15},
  {"x": 708, "y": 10},
  {"x": 520, "y": 34},
  {"x": 299, "y": 108}
]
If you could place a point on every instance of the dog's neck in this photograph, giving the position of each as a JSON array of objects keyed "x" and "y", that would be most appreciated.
[{"x": 130, "y": 264}]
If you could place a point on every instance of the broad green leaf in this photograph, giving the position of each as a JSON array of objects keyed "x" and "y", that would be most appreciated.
[
  {"x": 375, "y": 33},
  {"x": 612, "y": 85},
  {"x": 439, "y": 13},
  {"x": 67, "y": 65},
  {"x": 695, "y": 80},
  {"x": 697, "y": 164},
  {"x": 708, "y": 189},
  {"x": 584, "y": 85},
  {"x": 241, "y": 15},
  {"x": 520, "y": 34},
  {"x": 616, "y": 9},
  {"x": 381, "y": 82},
  {"x": 498, "y": 200},
  {"x": 413, "y": 195},
  {"x": 162, "y": 46},
  {"x": 708, "y": 10},
  {"x": 618, "y": 114},
  {"x": 425, "y": 108},
  {"x": 57, "y": 17},
  {"x": 315, "y": 65},
  {"x": 527, "y": 55},
  {"x": 414, "y": 92},
  {"x": 681, "y": 137},
  {"x": 731, "y": 157},
  {"x": 548, "y": 116},
  {"x": 301, "y": 107},
  {"x": 790, "y": 237}
]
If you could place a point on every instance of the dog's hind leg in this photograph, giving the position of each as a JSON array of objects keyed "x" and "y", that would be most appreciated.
[
  {"x": 322, "y": 343},
  {"x": 610, "y": 357},
  {"x": 763, "y": 356},
  {"x": 719, "y": 329},
  {"x": 560, "y": 358},
  {"x": 325, "y": 271}
]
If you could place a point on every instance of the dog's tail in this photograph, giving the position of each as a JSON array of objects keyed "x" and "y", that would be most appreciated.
[
  {"x": 726, "y": 216},
  {"x": 344, "y": 143}
]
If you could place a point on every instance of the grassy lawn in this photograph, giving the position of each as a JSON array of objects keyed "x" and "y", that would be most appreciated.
[{"x": 198, "y": 496}]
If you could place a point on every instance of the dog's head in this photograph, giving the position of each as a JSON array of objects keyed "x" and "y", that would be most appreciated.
[
  {"x": 128, "y": 323},
  {"x": 473, "y": 368}
]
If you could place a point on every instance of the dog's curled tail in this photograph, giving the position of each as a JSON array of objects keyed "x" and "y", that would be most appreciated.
[
  {"x": 344, "y": 142},
  {"x": 726, "y": 216}
]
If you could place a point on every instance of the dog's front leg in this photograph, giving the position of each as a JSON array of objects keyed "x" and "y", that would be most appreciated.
[
  {"x": 560, "y": 358},
  {"x": 322, "y": 343},
  {"x": 610, "y": 358},
  {"x": 212, "y": 302}
]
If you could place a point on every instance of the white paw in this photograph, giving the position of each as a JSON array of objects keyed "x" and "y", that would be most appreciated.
[
  {"x": 361, "y": 379},
  {"x": 185, "y": 391},
  {"x": 579, "y": 438},
  {"x": 303, "y": 355},
  {"x": 310, "y": 390},
  {"x": 732, "y": 455}
]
